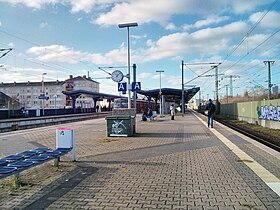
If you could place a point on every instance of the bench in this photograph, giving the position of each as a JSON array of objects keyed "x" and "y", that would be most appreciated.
[
  {"x": 16, "y": 163},
  {"x": 153, "y": 117}
]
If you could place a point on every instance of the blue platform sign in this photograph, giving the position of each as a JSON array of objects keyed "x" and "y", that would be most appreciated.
[
  {"x": 44, "y": 97},
  {"x": 136, "y": 86},
  {"x": 122, "y": 86}
]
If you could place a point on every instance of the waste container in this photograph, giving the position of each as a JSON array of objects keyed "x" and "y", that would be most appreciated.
[
  {"x": 118, "y": 125},
  {"x": 65, "y": 139}
]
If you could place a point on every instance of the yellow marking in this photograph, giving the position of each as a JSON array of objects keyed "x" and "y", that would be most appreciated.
[{"x": 272, "y": 181}]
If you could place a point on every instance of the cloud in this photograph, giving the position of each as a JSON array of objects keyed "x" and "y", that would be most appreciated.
[
  {"x": 170, "y": 26},
  {"x": 209, "y": 41},
  {"x": 154, "y": 11},
  {"x": 35, "y": 4},
  {"x": 44, "y": 25},
  {"x": 271, "y": 20},
  {"x": 0, "y": 23},
  {"x": 242, "y": 6},
  {"x": 60, "y": 53},
  {"x": 212, "y": 19},
  {"x": 138, "y": 37}
]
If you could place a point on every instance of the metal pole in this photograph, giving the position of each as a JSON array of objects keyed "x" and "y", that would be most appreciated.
[
  {"x": 128, "y": 25},
  {"x": 269, "y": 82},
  {"x": 230, "y": 86},
  {"x": 128, "y": 74},
  {"x": 269, "y": 78},
  {"x": 43, "y": 93},
  {"x": 183, "y": 91},
  {"x": 134, "y": 92},
  {"x": 199, "y": 100},
  {"x": 216, "y": 82},
  {"x": 160, "y": 95}
]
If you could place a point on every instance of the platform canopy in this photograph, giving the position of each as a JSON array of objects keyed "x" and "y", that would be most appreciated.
[
  {"x": 77, "y": 93},
  {"x": 170, "y": 94}
]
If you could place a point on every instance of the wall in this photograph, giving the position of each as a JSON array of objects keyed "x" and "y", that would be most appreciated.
[{"x": 265, "y": 113}]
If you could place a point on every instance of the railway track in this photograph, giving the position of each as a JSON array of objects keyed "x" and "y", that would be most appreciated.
[{"x": 251, "y": 134}]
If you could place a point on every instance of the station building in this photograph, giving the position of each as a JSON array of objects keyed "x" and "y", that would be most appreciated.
[{"x": 48, "y": 94}]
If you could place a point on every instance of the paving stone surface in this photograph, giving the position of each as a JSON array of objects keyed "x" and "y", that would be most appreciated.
[{"x": 168, "y": 165}]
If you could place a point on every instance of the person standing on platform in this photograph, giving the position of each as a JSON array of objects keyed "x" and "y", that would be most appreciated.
[
  {"x": 172, "y": 112},
  {"x": 211, "y": 112}
]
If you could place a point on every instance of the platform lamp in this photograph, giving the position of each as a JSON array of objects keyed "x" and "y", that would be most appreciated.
[
  {"x": 160, "y": 95},
  {"x": 128, "y": 25},
  {"x": 43, "y": 92}
]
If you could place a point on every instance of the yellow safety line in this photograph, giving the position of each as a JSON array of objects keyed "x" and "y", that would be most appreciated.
[{"x": 272, "y": 181}]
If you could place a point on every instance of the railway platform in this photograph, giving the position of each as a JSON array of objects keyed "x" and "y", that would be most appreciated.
[{"x": 169, "y": 164}]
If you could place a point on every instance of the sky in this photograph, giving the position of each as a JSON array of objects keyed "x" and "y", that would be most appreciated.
[{"x": 77, "y": 37}]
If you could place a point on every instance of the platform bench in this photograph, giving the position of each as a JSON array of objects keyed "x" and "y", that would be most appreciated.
[{"x": 14, "y": 164}]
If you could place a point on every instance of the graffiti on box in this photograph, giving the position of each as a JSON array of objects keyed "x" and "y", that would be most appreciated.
[
  {"x": 118, "y": 127},
  {"x": 269, "y": 112}
]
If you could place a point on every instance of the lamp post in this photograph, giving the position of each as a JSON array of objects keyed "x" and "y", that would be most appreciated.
[
  {"x": 128, "y": 25},
  {"x": 55, "y": 97},
  {"x": 43, "y": 93},
  {"x": 160, "y": 105}
]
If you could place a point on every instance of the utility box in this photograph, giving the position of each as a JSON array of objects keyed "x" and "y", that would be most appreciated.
[
  {"x": 118, "y": 125},
  {"x": 65, "y": 139}
]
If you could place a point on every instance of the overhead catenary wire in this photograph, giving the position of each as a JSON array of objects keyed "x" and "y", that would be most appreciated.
[{"x": 250, "y": 30}]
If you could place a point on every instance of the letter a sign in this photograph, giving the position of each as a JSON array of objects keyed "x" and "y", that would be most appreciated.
[
  {"x": 136, "y": 86},
  {"x": 122, "y": 86}
]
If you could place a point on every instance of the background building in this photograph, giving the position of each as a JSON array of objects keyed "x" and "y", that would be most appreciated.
[{"x": 32, "y": 95}]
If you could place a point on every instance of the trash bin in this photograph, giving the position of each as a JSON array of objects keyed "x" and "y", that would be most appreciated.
[
  {"x": 65, "y": 139},
  {"x": 119, "y": 125}
]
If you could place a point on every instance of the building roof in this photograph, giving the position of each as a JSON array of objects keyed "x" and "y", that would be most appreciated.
[
  {"x": 13, "y": 84},
  {"x": 171, "y": 94},
  {"x": 93, "y": 94},
  {"x": 81, "y": 78}
]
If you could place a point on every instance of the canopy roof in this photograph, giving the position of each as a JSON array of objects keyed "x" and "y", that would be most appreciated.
[
  {"x": 77, "y": 93},
  {"x": 170, "y": 94}
]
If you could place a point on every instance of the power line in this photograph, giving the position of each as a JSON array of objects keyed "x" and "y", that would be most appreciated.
[{"x": 251, "y": 30}]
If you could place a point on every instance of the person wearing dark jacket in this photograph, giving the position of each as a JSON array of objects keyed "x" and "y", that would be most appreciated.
[{"x": 211, "y": 112}]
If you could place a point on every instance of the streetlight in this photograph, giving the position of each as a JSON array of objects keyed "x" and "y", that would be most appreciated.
[
  {"x": 128, "y": 25},
  {"x": 160, "y": 105},
  {"x": 55, "y": 97},
  {"x": 43, "y": 92}
]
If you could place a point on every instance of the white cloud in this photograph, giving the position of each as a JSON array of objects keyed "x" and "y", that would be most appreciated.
[
  {"x": 11, "y": 44},
  {"x": 242, "y": 6},
  {"x": 0, "y": 23},
  {"x": 64, "y": 54},
  {"x": 170, "y": 26},
  {"x": 44, "y": 25},
  {"x": 212, "y": 19},
  {"x": 146, "y": 11},
  {"x": 35, "y": 4},
  {"x": 271, "y": 20},
  {"x": 210, "y": 41},
  {"x": 138, "y": 37}
]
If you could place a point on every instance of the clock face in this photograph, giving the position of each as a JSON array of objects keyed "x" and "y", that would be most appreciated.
[{"x": 117, "y": 76}]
